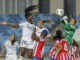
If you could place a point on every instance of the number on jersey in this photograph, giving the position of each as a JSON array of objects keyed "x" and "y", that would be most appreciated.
[{"x": 65, "y": 47}]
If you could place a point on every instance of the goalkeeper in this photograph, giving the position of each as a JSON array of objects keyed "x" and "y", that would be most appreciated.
[{"x": 69, "y": 29}]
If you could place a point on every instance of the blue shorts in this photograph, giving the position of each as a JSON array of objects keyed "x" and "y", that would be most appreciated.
[
  {"x": 34, "y": 58},
  {"x": 51, "y": 58}
]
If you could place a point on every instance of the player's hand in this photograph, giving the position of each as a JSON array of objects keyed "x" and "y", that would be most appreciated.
[
  {"x": 4, "y": 22},
  {"x": 65, "y": 18}
]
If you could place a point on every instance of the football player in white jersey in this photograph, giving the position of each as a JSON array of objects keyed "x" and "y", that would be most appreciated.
[
  {"x": 10, "y": 46},
  {"x": 27, "y": 30}
]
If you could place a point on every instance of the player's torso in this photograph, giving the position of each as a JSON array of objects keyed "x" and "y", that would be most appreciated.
[
  {"x": 40, "y": 44},
  {"x": 52, "y": 50},
  {"x": 64, "y": 45},
  {"x": 11, "y": 49},
  {"x": 39, "y": 30},
  {"x": 27, "y": 31}
]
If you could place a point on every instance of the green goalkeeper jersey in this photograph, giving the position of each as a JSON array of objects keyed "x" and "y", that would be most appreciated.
[{"x": 68, "y": 32}]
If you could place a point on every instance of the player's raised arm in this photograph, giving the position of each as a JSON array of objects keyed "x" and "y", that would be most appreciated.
[
  {"x": 2, "y": 51},
  {"x": 5, "y": 23}
]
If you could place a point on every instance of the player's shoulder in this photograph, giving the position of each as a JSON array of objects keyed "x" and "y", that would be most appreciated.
[{"x": 6, "y": 42}]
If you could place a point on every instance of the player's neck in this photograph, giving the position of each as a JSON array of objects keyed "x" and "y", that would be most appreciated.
[{"x": 29, "y": 21}]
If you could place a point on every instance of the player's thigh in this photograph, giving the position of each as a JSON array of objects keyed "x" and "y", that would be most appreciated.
[
  {"x": 29, "y": 52},
  {"x": 22, "y": 49}
]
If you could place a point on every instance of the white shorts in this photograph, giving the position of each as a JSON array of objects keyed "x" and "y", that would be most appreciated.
[
  {"x": 26, "y": 45},
  {"x": 11, "y": 57}
]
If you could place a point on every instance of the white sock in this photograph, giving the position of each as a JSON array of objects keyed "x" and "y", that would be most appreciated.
[{"x": 20, "y": 58}]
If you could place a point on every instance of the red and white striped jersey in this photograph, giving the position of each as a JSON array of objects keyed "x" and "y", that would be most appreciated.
[
  {"x": 64, "y": 56},
  {"x": 64, "y": 53},
  {"x": 73, "y": 51},
  {"x": 52, "y": 50},
  {"x": 37, "y": 52},
  {"x": 64, "y": 44}
]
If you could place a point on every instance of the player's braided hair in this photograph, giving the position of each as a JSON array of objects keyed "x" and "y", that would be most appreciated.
[
  {"x": 28, "y": 11},
  {"x": 13, "y": 41}
]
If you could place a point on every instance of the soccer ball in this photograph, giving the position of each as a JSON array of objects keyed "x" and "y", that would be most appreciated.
[{"x": 60, "y": 12}]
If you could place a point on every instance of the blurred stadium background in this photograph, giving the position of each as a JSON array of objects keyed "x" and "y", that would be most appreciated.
[{"x": 12, "y": 11}]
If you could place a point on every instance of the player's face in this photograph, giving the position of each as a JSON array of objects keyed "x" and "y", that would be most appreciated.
[
  {"x": 72, "y": 21},
  {"x": 40, "y": 23},
  {"x": 11, "y": 37},
  {"x": 30, "y": 18}
]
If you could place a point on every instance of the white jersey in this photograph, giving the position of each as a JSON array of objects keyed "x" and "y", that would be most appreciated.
[
  {"x": 39, "y": 30},
  {"x": 27, "y": 30},
  {"x": 11, "y": 49}
]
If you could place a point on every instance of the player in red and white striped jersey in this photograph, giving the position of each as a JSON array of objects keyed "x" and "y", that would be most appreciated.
[
  {"x": 40, "y": 43},
  {"x": 74, "y": 50},
  {"x": 53, "y": 49},
  {"x": 62, "y": 47},
  {"x": 64, "y": 52}
]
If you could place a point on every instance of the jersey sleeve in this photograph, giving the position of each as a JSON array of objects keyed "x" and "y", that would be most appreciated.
[
  {"x": 22, "y": 24},
  {"x": 5, "y": 43},
  {"x": 66, "y": 24}
]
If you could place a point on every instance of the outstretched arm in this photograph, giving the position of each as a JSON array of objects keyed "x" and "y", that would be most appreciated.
[{"x": 5, "y": 23}]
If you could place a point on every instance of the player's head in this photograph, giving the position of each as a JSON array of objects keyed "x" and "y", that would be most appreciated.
[
  {"x": 40, "y": 22},
  {"x": 29, "y": 17},
  {"x": 74, "y": 43},
  {"x": 44, "y": 33},
  {"x": 73, "y": 21},
  {"x": 28, "y": 12},
  {"x": 12, "y": 39},
  {"x": 59, "y": 34}
]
